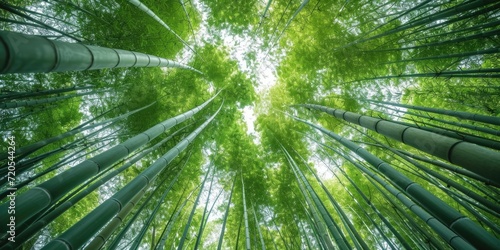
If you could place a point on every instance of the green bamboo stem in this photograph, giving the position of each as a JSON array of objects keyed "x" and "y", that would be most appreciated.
[
  {"x": 263, "y": 244},
  {"x": 42, "y": 101},
  {"x": 265, "y": 13},
  {"x": 480, "y": 160},
  {"x": 106, "y": 232},
  {"x": 458, "y": 124},
  {"x": 150, "y": 13},
  {"x": 142, "y": 232},
  {"x": 99, "y": 216},
  {"x": 190, "y": 219},
  {"x": 417, "y": 7},
  {"x": 459, "y": 18},
  {"x": 45, "y": 194},
  {"x": 315, "y": 204},
  {"x": 459, "y": 114},
  {"x": 493, "y": 206},
  {"x": 446, "y": 166},
  {"x": 451, "y": 218},
  {"x": 204, "y": 216},
  {"x": 357, "y": 239},
  {"x": 221, "y": 237},
  {"x": 22, "y": 152},
  {"x": 65, "y": 205},
  {"x": 173, "y": 219},
  {"x": 11, "y": 9},
  {"x": 461, "y": 54},
  {"x": 22, "y": 53},
  {"x": 245, "y": 216},
  {"x": 37, "y": 93},
  {"x": 454, "y": 10},
  {"x": 479, "y": 35}
]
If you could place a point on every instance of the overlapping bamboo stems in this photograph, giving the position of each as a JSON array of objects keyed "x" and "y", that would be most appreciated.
[
  {"x": 31, "y": 163},
  {"x": 459, "y": 114},
  {"x": 77, "y": 195},
  {"x": 451, "y": 219},
  {"x": 478, "y": 35},
  {"x": 159, "y": 203},
  {"x": 353, "y": 233},
  {"x": 99, "y": 216},
  {"x": 146, "y": 10},
  {"x": 12, "y": 9},
  {"x": 438, "y": 227},
  {"x": 412, "y": 223},
  {"x": 39, "y": 54},
  {"x": 406, "y": 12},
  {"x": 315, "y": 204},
  {"x": 441, "y": 164},
  {"x": 482, "y": 26},
  {"x": 45, "y": 101},
  {"x": 19, "y": 95},
  {"x": 466, "y": 191},
  {"x": 245, "y": 215},
  {"x": 173, "y": 218},
  {"x": 453, "y": 123},
  {"x": 257, "y": 225},
  {"x": 468, "y": 15},
  {"x": 482, "y": 141},
  {"x": 443, "y": 14},
  {"x": 45, "y": 194},
  {"x": 226, "y": 214},
  {"x": 208, "y": 213},
  {"x": 384, "y": 220},
  {"x": 477, "y": 159},
  {"x": 117, "y": 220},
  {"x": 457, "y": 55},
  {"x": 464, "y": 202},
  {"x": 24, "y": 151},
  {"x": 203, "y": 217}
]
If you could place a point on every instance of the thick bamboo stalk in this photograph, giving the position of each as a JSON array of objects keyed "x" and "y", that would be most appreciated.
[
  {"x": 454, "y": 220},
  {"x": 65, "y": 205},
  {"x": 91, "y": 223},
  {"x": 45, "y": 194},
  {"x": 480, "y": 160},
  {"x": 20, "y": 53}
]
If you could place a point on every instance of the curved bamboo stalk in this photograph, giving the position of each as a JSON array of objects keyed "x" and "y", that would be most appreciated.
[
  {"x": 47, "y": 193},
  {"x": 91, "y": 223},
  {"x": 20, "y": 53},
  {"x": 480, "y": 160}
]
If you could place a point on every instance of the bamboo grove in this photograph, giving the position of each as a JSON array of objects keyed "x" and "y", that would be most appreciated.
[{"x": 278, "y": 124}]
